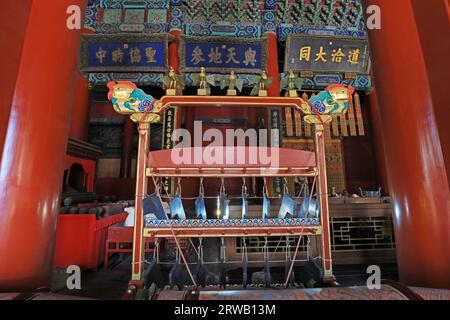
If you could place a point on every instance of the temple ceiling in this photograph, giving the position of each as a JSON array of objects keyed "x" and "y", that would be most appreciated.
[{"x": 247, "y": 18}]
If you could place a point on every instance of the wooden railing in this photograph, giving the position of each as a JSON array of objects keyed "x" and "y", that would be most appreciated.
[{"x": 361, "y": 233}]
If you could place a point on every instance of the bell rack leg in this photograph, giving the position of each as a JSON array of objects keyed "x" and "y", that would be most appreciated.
[
  {"x": 322, "y": 188},
  {"x": 141, "y": 190}
]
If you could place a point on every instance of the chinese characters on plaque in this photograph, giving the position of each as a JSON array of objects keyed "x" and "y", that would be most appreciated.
[
  {"x": 169, "y": 125},
  {"x": 132, "y": 54},
  {"x": 326, "y": 54},
  {"x": 124, "y": 53},
  {"x": 223, "y": 54},
  {"x": 275, "y": 125}
]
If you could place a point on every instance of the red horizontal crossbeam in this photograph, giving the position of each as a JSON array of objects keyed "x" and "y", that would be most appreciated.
[
  {"x": 231, "y": 232},
  {"x": 229, "y": 101}
]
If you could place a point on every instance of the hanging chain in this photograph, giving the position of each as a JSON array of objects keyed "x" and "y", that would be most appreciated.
[
  {"x": 155, "y": 251},
  {"x": 266, "y": 248},
  {"x": 265, "y": 191},
  {"x": 308, "y": 247},
  {"x": 202, "y": 188},
  {"x": 222, "y": 186},
  {"x": 223, "y": 250},
  {"x": 178, "y": 192},
  {"x": 244, "y": 187},
  {"x": 244, "y": 249},
  {"x": 288, "y": 247},
  {"x": 285, "y": 187},
  {"x": 200, "y": 250}
]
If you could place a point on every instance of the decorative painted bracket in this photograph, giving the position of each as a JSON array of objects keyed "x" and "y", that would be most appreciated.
[{"x": 128, "y": 99}]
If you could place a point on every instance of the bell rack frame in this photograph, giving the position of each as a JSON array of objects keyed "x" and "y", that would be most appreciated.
[{"x": 233, "y": 227}]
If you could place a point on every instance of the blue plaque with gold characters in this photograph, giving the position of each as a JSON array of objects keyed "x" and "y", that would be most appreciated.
[
  {"x": 325, "y": 54},
  {"x": 119, "y": 53},
  {"x": 223, "y": 54}
]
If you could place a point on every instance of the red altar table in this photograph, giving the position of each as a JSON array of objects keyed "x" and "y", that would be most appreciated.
[{"x": 81, "y": 239}]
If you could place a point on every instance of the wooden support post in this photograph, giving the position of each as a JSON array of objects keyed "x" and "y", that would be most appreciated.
[
  {"x": 322, "y": 188},
  {"x": 141, "y": 191}
]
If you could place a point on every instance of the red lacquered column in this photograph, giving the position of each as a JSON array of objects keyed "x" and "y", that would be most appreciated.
[
  {"x": 376, "y": 125},
  {"x": 127, "y": 148},
  {"x": 34, "y": 152},
  {"x": 174, "y": 60},
  {"x": 13, "y": 26},
  {"x": 80, "y": 109},
  {"x": 272, "y": 64},
  {"x": 416, "y": 171},
  {"x": 272, "y": 71},
  {"x": 432, "y": 20},
  {"x": 141, "y": 191},
  {"x": 322, "y": 190}
]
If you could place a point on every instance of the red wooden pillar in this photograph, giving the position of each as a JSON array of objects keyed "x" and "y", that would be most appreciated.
[
  {"x": 272, "y": 64},
  {"x": 32, "y": 163},
  {"x": 141, "y": 190},
  {"x": 174, "y": 61},
  {"x": 174, "y": 46},
  {"x": 415, "y": 166},
  {"x": 80, "y": 109},
  {"x": 377, "y": 132},
  {"x": 432, "y": 19},
  {"x": 322, "y": 190},
  {"x": 13, "y": 26},
  {"x": 272, "y": 71},
  {"x": 127, "y": 148},
  {"x": 180, "y": 112}
]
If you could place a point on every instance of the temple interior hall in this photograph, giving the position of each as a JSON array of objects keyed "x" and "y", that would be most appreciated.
[{"x": 224, "y": 149}]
